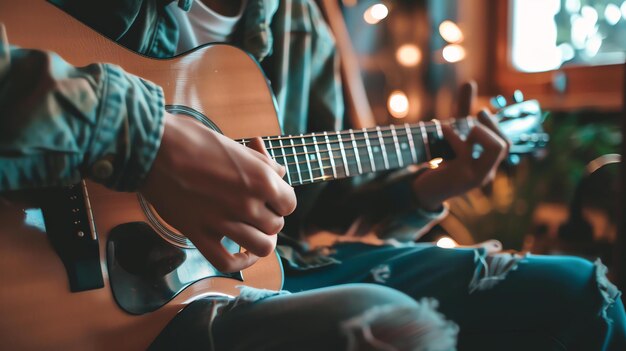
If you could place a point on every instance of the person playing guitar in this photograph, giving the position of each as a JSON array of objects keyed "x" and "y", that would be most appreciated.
[{"x": 60, "y": 123}]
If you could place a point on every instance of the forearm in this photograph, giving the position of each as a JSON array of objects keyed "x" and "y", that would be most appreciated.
[{"x": 60, "y": 123}]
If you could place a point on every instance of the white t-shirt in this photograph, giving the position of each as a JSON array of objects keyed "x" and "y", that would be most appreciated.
[{"x": 202, "y": 25}]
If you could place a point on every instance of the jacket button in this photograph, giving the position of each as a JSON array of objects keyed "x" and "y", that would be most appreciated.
[{"x": 102, "y": 170}]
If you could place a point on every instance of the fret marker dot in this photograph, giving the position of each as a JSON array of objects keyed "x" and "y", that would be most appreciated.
[
  {"x": 376, "y": 149},
  {"x": 403, "y": 146},
  {"x": 312, "y": 157}
]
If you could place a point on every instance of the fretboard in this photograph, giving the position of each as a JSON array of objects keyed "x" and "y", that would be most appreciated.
[{"x": 323, "y": 156}]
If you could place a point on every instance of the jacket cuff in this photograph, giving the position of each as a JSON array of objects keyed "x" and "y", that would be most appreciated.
[{"x": 128, "y": 132}]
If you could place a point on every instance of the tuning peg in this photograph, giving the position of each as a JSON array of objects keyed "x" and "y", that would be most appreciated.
[
  {"x": 498, "y": 102},
  {"x": 518, "y": 96}
]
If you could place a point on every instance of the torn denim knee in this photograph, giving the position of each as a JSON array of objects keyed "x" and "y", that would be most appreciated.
[
  {"x": 492, "y": 268},
  {"x": 400, "y": 328},
  {"x": 248, "y": 295},
  {"x": 608, "y": 290}
]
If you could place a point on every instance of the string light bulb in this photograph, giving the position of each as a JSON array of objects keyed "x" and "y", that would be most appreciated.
[
  {"x": 453, "y": 53},
  {"x": 409, "y": 55},
  {"x": 375, "y": 13},
  {"x": 398, "y": 104},
  {"x": 450, "y": 32}
]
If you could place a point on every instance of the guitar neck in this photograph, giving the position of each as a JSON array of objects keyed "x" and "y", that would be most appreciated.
[{"x": 323, "y": 156}]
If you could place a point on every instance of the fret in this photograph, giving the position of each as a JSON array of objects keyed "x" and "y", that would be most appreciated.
[
  {"x": 382, "y": 146},
  {"x": 286, "y": 164},
  {"x": 330, "y": 154},
  {"x": 397, "y": 145},
  {"x": 319, "y": 157},
  {"x": 307, "y": 157},
  {"x": 438, "y": 128},
  {"x": 409, "y": 136},
  {"x": 269, "y": 147},
  {"x": 425, "y": 140},
  {"x": 405, "y": 146},
  {"x": 295, "y": 158},
  {"x": 343, "y": 155},
  {"x": 356, "y": 152},
  {"x": 369, "y": 149}
]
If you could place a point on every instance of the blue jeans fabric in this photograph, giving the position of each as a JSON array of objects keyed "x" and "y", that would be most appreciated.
[
  {"x": 529, "y": 303},
  {"x": 350, "y": 317}
]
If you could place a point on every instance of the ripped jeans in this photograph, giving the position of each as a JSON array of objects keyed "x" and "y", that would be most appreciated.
[
  {"x": 500, "y": 301},
  {"x": 351, "y": 317}
]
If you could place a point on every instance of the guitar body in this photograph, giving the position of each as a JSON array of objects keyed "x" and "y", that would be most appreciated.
[{"x": 38, "y": 311}]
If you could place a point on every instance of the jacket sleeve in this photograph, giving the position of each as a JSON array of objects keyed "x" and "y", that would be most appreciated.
[
  {"x": 145, "y": 26},
  {"x": 60, "y": 123}
]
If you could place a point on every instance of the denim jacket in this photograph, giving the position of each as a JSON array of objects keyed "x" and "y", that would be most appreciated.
[{"x": 60, "y": 123}]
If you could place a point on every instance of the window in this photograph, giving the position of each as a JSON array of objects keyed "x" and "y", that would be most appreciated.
[
  {"x": 549, "y": 34},
  {"x": 568, "y": 54}
]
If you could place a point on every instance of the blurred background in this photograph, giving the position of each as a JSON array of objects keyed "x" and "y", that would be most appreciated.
[{"x": 403, "y": 61}]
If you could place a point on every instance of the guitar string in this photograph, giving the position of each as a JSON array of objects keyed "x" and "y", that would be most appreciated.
[
  {"x": 398, "y": 132},
  {"x": 348, "y": 155},
  {"x": 419, "y": 126},
  {"x": 373, "y": 141},
  {"x": 388, "y": 140},
  {"x": 351, "y": 154},
  {"x": 349, "y": 147}
]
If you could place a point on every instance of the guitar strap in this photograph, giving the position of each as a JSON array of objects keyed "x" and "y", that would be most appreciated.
[{"x": 67, "y": 217}]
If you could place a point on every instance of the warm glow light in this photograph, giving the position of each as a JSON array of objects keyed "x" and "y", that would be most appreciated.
[
  {"x": 612, "y": 14},
  {"x": 446, "y": 243},
  {"x": 590, "y": 14},
  {"x": 593, "y": 45},
  {"x": 450, "y": 32},
  {"x": 534, "y": 30},
  {"x": 398, "y": 104},
  {"x": 435, "y": 162},
  {"x": 572, "y": 6},
  {"x": 409, "y": 55},
  {"x": 567, "y": 52},
  {"x": 375, "y": 13},
  {"x": 453, "y": 53}
]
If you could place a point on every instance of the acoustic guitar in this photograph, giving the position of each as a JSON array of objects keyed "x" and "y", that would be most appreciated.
[{"x": 86, "y": 268}]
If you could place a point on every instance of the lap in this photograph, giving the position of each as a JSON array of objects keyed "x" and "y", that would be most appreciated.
[
  {"x": 543, "y": 297},
  {"x": 323, "y": 319}
]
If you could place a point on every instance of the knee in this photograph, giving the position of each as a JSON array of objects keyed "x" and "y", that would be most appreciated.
[
  {"x": 376, "y": 295},
  {"x": 572, "y": 281},
  {"x": 398, "y": 322}
]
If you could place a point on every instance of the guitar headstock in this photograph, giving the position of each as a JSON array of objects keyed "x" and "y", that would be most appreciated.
[{"x": 521, "y": 122}]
